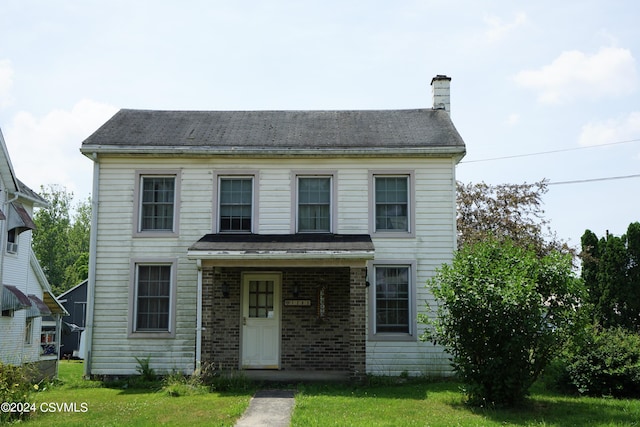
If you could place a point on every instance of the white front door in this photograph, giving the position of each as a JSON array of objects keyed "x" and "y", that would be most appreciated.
[{"x": 261, "y": 320}]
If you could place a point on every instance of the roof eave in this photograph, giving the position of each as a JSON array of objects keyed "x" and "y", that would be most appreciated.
[
  {"x": 437, "y": 151},
  {"x": 279, "y": 255}
]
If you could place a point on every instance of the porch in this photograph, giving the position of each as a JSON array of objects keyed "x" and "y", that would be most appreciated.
[{"x": 302, "y": 316}]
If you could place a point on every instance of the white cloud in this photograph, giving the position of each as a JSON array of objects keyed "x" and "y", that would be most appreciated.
[
  {"x": 498, "y": 30},
  {"x": 575, "y": 75},
  {"x": 610, "y": 131},
  {"x": 46, "y": 151},
  {"x": 513, "y": 119},
  {"x": 6, "y": 83}
]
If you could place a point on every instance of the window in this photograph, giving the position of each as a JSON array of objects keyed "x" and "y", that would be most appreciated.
[
  {"x": 152, "y": 299},
  {"x": 12, "y": 241},
  {"x": 28, "y": 331},
  {"x": 314, "y": 204},
  {"x": 157, "y": 210},
  {"x": 391, "y": 208},
  {"x": 392, "y": 203},
  {"x": 393, "y": 302},
  {"x": 236, "y": 204},
  {"x": 392, "y": 299}
]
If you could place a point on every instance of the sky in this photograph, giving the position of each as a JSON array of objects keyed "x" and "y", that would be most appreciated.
[{"x": 539, "y": 90}]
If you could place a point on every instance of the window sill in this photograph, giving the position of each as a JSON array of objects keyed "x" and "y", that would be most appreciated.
[
  {"x": 156, "y": 234},
  {"x": 152, "y": 335},
  {"x": 393, "y": 235},
  {"x": 392, "y": 337}
]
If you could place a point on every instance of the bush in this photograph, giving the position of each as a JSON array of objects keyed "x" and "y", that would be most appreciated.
[
  {"x": 606, "y": 362},
  {"x": 502, "y": 314},
  {"x": 15, "y": 387},
  {"x": 177, "y": 384}
]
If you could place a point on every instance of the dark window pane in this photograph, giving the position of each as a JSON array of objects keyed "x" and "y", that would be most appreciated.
[
  {"x": 392, "y": 299},
  {"x": 392, "y": 203},
  {"x": 154, "y": 293},
  {"x": 157, "y": 204},
  {"x": 236, "y": 195}
]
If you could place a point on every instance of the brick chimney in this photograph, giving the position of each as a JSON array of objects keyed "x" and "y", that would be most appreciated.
[{"x": 441, "y": 93}]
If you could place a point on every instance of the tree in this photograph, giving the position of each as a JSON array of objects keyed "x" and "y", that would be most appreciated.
[
  {"x": 505, "y": 211},
  {"x": 503, "y": 312},
  {"x": 60, "y": 242},
  {"x": 611, "y": 272}
]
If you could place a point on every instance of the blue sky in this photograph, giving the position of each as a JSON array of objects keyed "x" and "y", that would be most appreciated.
[{"x": 527, "y": 77}]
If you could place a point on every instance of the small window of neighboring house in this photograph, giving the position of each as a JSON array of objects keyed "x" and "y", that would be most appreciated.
[
  {"x": 157, "y": 206},
  {"x": 235, "y": 204},
  {"x": 153, "y": 299},
  {"x": 393, "y": 307},
  {"x": 28, "y": 331},
  {"x": 314, "y": 204},
  {"x": 12, "y": 241}
]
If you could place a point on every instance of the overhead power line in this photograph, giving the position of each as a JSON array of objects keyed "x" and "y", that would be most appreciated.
[
  {"x": 562, "y": 150},
  {"x": 582, "y": 181}
]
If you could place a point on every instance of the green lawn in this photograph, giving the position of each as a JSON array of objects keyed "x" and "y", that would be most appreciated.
[
  {"x": 415, "y": 403},
  {"x": 120, "y": 406},
  {"x": 442, "y": 404}
]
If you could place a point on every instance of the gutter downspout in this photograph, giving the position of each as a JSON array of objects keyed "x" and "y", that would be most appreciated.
[
  {"x": 93, "y": 238},
  {"x": 198, "y": 358}
]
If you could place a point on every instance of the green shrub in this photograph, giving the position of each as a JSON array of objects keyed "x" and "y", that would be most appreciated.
[
  {"x": 147, "y": 373},
  {"x": 606, "y": 362},
  {"x": 502, "y": 313},
  {"x": 16, "y": 387}
]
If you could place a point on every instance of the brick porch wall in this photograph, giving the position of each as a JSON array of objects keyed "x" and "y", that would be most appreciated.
[{"x": 335, "y": 342}]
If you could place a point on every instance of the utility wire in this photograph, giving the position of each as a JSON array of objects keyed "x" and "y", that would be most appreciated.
[
  {"x": 581, "y": 181},
  {"x": 549, "y": 152}
]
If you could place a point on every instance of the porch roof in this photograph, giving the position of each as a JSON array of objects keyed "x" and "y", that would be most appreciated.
[{"x": 283, "y": 246}]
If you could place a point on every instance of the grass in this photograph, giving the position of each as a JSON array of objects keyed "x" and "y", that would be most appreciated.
[
  {"x": 114, "y": 405},
  {"x": 420, "y": 403},
  {"x": 382, "y": 403}
]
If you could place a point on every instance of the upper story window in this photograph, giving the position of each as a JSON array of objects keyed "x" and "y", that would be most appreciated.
[
  {"x": 314, "y": 204},
  {"x": 157, "y": 207},
  {"x": 235, "y": 204},
  {"x": 392, "y": 205}
]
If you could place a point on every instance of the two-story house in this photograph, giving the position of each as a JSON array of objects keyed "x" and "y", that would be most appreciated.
[
  {"x": 25, "y": 293},
  {"x": 292, "y": 241}
]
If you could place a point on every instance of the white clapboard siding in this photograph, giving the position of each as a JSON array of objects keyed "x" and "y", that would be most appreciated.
[{"x": 114, "y": 353}]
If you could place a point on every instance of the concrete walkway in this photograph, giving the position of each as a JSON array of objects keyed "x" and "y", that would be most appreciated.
[{"x": 271, "y": 408}]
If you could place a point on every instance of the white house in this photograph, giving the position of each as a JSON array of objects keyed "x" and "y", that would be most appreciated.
[
  {"x": 279, "y": 241},
  {"x": 25, "y": 292}
]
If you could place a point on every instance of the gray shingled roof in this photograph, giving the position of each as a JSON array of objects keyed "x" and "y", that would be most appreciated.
[{"x": 225, "y": 131}]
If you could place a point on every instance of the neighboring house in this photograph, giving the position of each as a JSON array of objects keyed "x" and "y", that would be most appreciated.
[
  {"x": 25, "y": 292},
  {"x": 75, "y": 302},
  {"x": 296, "y": 241}
]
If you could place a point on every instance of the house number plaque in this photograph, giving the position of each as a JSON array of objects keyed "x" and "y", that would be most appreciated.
[
  {"x": 297, "y": 302},
  {"x": 322, "y": 302}
]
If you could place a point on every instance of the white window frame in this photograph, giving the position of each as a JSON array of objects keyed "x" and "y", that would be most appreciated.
[
  {"x": 133, "y": 297},
  {"x": 333, "y": 204},
  {"x": 411, "y": 225},
  {"x": 140, "y": 175},
  {"x": 236, "y": 174},
  {"x": 413, "y": 317}
]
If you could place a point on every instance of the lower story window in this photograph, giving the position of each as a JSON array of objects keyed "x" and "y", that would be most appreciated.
[
  {"x": 392, "y": 305},
  {"x": 153, "y": 298}
]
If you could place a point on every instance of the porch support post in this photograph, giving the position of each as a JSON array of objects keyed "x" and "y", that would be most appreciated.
[{"x": 357, "y": 323}]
